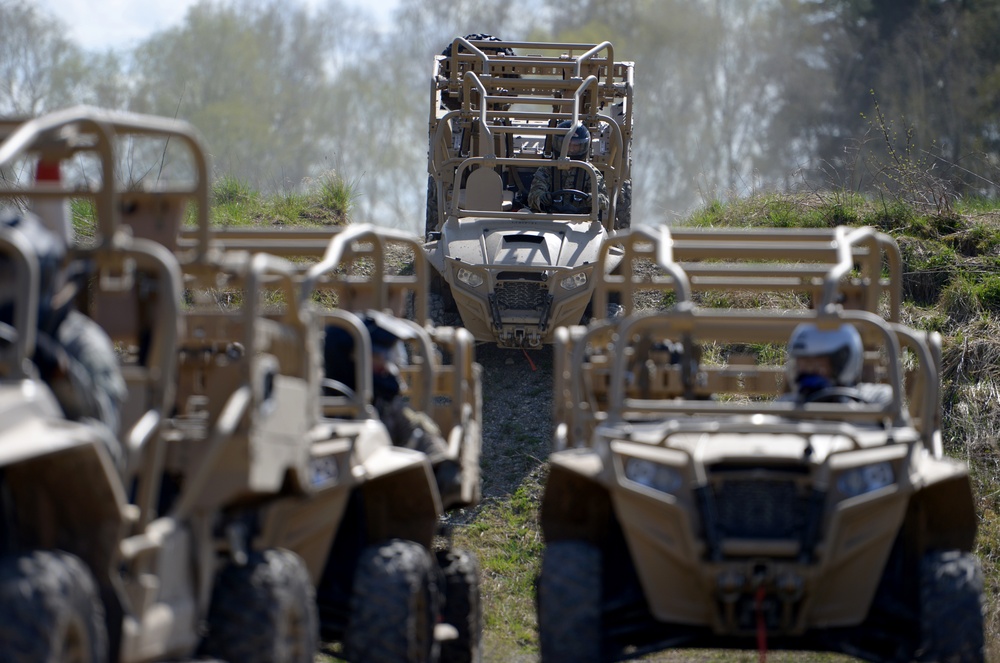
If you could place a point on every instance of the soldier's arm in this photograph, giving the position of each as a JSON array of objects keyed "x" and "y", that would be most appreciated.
[
  {"x": 539, "y": 197},
  {"x": 603, "y": 200}
]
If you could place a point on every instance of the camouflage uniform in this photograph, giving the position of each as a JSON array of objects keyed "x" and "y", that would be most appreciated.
[
  {"x": 411, "y": 429},
  {"x": 548, "y": 179},
  {"x": 415, "y": 430}
]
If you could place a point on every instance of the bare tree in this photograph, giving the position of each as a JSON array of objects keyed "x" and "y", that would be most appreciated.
[
  {"x": 254, "y": 78},
  {"x": 39, "y": 67}
]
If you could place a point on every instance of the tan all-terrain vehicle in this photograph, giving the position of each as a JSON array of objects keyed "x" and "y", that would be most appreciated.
[
  {"x": 699, "y": 498},
  {"x": 152, "y": 544},
  {"x": 500, "y": 111},
  {"x": 238, "y": 471},
  {"x": 390, "y": 576}
]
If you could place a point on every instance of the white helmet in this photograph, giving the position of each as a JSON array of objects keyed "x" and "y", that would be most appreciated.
[{"x": 842, "y": 346}]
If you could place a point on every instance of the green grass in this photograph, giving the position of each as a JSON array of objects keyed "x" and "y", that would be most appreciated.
[
  {"x": 506, "y": 538},
  {"x": 326, "y": 200}
]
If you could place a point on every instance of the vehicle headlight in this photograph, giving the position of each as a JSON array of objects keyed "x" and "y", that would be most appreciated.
[
  {"x": 653, "y": 475},
  {"x": 574, "y": 281},
  {"x": 469, "y": 278},
  {"x": 866, "y": 479},
  {"x": 323, "y": 471}
]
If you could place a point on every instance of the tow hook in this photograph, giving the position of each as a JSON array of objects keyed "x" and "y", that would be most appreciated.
[{"x": 730, "y": 586}]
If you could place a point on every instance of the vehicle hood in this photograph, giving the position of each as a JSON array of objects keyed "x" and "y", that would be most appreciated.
[
  {"x": 506, "y": 243},
  {"x": 743, "y": 444}
]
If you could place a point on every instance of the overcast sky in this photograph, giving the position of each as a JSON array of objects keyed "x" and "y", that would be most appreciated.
[{"x": 121, "y": 24}]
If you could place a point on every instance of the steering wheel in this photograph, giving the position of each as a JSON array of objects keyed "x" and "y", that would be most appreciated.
[
  {"x": 835, "y": 394},
  {"x": 8, "y": 335},
  {"x": 333, "y": 387},
  {"x": 570, "y": 201}
]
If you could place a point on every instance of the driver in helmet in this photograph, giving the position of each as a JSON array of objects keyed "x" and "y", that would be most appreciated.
[
  {"x": 406, "y": 426},
  {"x": 548, "y": 179},
  {"x": 825, "y": 364}
]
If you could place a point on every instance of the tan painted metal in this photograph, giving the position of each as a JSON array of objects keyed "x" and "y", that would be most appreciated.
[
  {"x": 224, "y": 396},
  {"x": 700, "y": 394},
  {"x": 516, "y": 274}
]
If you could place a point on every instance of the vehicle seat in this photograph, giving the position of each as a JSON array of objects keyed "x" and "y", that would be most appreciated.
[{"x": 484, "y": 190}]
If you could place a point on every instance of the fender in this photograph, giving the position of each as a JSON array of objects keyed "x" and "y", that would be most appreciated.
[{"x": 576, "y": 504}]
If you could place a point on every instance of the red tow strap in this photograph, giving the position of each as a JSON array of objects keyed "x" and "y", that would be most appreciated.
[
  {"x": 530, "y": 363},
  {"x": 761, "y": 624}
]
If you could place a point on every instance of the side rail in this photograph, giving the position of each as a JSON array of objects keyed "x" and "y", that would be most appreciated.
[
  {"x": 305, "y": 243},
  {"x": 665, "y": 365},
  {"x": 580, "y": 381},
  {"x": 340, "y": 400},
  {"x": 538, "y": 69},
  {"x": 443, "y": 381},
  {"x": 154, "y": 211},
  {"x": 857, "y": 268},
  {"x": 135, "y": 296},
  {"x": 921, "y": 379},
  {"x": 525, "y": 137},
  {"x": 494, "y": 98},
  {"x": 355, "y": 269}
]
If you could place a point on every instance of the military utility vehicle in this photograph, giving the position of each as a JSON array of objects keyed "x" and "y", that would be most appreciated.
[
  {"x": 389, "y": 577},
  {"x": 500, "y": 112},
  {"x": 137, "y": 546},
  {"x": 697, "y": 499},
  {"x": 243, "y": 482}
]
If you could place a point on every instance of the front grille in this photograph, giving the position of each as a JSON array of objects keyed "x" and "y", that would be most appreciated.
[
  {"x": 521, "y": 296},
  {"x": 759, "y": 509},
  {"x": 522, "y": 276}
]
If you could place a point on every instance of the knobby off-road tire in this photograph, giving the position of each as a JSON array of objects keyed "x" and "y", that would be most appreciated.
[
  {"x": 623, "y": 207},
  {"x": 951, "y": 608},
  {"x": 569, "y": 603},
  {"x": 394, "y": 605},
  {"x": 462, "y": 606},
  {"x": 431, "y": 213},
  {"x": 441, "y": 307},
  {"x": 50, "y": 610},
  {"x": 263, "y": 612}
]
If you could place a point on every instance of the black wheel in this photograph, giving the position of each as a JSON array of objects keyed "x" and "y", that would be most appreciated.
[
  {"x": 263, "y": 611},
  {"x": 430, "y": 223},
  {"x": 569, "y": 602},
  {"x": 951, "y": 608},
  {"x": 462, "y": 606},
  {"x": 50, "y": 610},
  {"x": 623, "y": 207},
  {"x": 441, "y": 307},
  {"x": 394, "y": 605}
]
